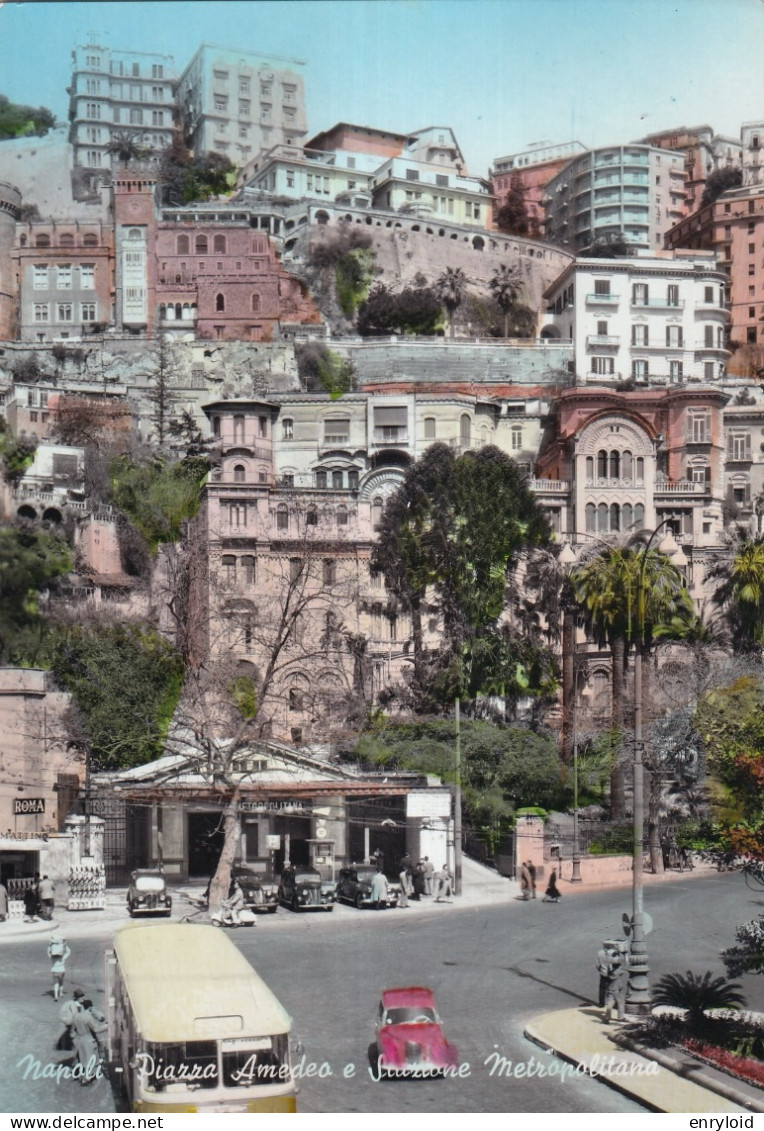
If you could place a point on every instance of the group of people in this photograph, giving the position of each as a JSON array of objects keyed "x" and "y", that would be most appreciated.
[
  {"x": 39, "y": 899},
  {"x": 528, "y": 883},
  {"x": 420, "y": 878},
  {"x": 83, "y": 1023}
]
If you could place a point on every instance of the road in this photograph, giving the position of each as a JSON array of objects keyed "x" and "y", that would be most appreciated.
[{"x": 491, "y": 969}]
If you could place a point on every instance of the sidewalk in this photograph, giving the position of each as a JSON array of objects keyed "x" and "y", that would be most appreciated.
[{"x": 667, "y": 1080}]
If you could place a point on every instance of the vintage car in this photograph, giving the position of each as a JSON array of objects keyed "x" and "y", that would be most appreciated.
[
  {"x": 303, "y": 889},
  {"x": 354, "y": 886},
  {"x": 148, "y": 894},
  {"x": 410, "y": 1039},
  {"x": 261, "y": 892}
]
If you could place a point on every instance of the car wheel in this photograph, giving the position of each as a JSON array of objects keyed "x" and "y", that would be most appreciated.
[{"x": 359, "y": 901}]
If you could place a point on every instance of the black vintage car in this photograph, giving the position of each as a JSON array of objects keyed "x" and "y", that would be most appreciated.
[
  {"x": 261, "y": 892},
  {"x": 303, "y": 889},
  {"x": 354, "y": 886},
  {"x": 148, "y": 894}
]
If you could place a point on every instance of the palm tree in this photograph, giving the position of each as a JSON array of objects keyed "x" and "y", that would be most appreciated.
[
  {"x": 449, "y": 287},
  {"x": 740, "y": 593},
  {"x": 505, "y": 287},
  {"x": 607, "y": 589},
  {"x": 126, "y": 146},
  {"x": 697, "y": 995}
]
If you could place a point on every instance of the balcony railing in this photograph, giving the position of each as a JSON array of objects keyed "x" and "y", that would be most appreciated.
[
  {"x": 607, "y": 298},
  {"x": 614, "y": 482},
  {"x": 680, "y": 487},
  {"x": 603, "y": 340},
  {"x": 549, "y": 486},
  {"x": 658, "y": 303}
]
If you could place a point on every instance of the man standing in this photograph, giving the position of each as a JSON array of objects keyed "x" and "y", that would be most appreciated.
[
  {"x": 532, "y": 873},
  {"x": 429, "y": 875},
  {"x": 404, "y": 870},
  {"x": 525, "y": 881},
  {"x": 47, "y": 898}
]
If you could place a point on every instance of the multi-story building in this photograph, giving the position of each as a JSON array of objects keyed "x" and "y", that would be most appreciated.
[
  {"x": 402, "y": 184},
  {"x": 704, "y": 153},
  {"x": 752, "y": 146},
  {"x": 119, "y": 93},
  {"x": 238, "y": 102},
  {"x": 633, "y": 193},
  {"x": 733, "y": 228},
  {"x": 536, "y": 167},
  {"x": 300, "y": 174},
  {"x": 647, "y": 319},
  {"x": 64, "y": 278}
]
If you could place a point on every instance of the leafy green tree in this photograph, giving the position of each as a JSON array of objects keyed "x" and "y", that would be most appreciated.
[
  {"x": 125, "y": 680},
  {"x": 185, "y": 179},
  {"x": 441, "y": 548},
  {"x": 747, "y": 957},
  {"x": 719, "y": 181},
  {"x": 512, "y": 217},
  {"x": 157, "y": 496},
  {"x": 323, "y": 371},
  {"x": 16, "y": 453},
  {"x": 415, "y": 310},
  {"x": 505, "y": 287},
  {"x": 29, "y": 561},
  {"x": 740, "y": 593},
  {"x": 697, "y": 994},
  {"x": 352, "y": 274},
  {"x": 449, "y": 287},
  {"x": 17, "y": 120}
]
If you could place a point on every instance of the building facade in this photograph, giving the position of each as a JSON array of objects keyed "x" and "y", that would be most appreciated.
[
  {"x": 633, "y": 193},
  {"x": 536, "y": 167},
  {"x": 704, "y": 153},
  {"x": 119, "y": 94},
  {"x": 236, "y": 103}
]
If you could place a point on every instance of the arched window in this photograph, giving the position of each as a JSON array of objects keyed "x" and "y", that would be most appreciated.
[
  {"x": 238, "y": 429},
  {"x": 627, "y": 516},
  {"x": 591, "y": 517},
  {"x": 615, "y": 517},
  {"x": 239, "y": 473},
  {"x": 602, "y": 464},
  {"x": 287, "y": 428},
  {"x": 590, "y": 467},
  {"x": 353, "y": 480},
  {"x": 337, "y": 480},
  {"x": 282, "y": 518},
  {"x": 90, "y": 240},
  {"x": 311, "y": 518},
  {"x": 429, "y": 427},
  {"x": 255, "y": 303},
  {"x": 321, "y": 479},
  {"x": 627, "y": 466},
  {"x": 602, "y": 517},
  {"x": 218, "y": 244},
  {"x": 376, "y": 511},
  {"x": 228, "y": 563},
  {"x": 42, "y": 240},
  {"x": 330, "y": 571},
  {"x": 249, "y": 565},
  {"x": 615, "y": 465},
  {"x": 219, "y": 302},
  {"x": 639, "y": 516},
  {"x": 182, "y": 245},
  {"x": 66, "y": 239},
  {"x": 342, "y": 517},
  {"x": 201, "y": 245},
  {"x": 216, "y": 426},
  {"x": 640, "y": 469},
  {"x": 295, "y": 698},
  {"x": 465, "y": 430}
]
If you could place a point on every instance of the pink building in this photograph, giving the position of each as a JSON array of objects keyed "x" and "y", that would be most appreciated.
[{"x": 536, "y": 167}]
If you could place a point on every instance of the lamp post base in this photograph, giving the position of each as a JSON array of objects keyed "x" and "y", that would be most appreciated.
[{"x": 575, "y": 877}]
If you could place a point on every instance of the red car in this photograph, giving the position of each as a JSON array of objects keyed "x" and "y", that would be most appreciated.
[{"x": 410, "y": 1041}]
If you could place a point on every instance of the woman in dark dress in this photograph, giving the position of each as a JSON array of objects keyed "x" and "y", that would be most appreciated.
[{"x": 552, "y": 893}]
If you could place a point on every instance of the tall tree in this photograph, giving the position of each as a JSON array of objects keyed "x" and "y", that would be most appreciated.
[
  {"x": 441, "y": 548},
  {"x": 740, "y": 593},
  {"x": 449, "y": 287},
  {"x": 29, "y": 561},
  {"x": 512, "y": 217},
  {"x": 505, "y": 287},
  {"x": 127, "y": 146}
]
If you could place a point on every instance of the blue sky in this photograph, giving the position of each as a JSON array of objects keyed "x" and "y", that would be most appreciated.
[{"x": 501, "y": 73}]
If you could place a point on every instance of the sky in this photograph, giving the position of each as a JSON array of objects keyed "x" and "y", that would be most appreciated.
[{"x": 503, "y": 74}]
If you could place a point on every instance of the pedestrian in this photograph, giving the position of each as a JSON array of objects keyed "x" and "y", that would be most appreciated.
[
  {"x": 67, "y": 1013},
  {"x": 379, "y": 859},
  {"x": 603, "y": 969},
  {"x": 30, "y": 903},
  {"x": 3, "y": 902},
  {"x": 552, "y": 893},
  {"x": 234, "y": 904},
  {"x": 532, "y": 872},
  {"x": 58, "y": 953},
  {"x": 429, "y": 875},
  {"x": 417, "y": 880},
  {"x": 525, "y": 881},
  {"x": 86, "y": 1046},
  {"x": 47, "y": 891},
  {"x": 403, "y": 876},
  {"x": 445, "y": 885},
  {"x": 615, "y": 992},
  {"x": 379, "y": 891}
]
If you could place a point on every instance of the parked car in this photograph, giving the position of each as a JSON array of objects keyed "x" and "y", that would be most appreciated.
[
  {"x": 354, "y": 886},
  {"x": 261, "y": 892},
  {"x": 410, "y": 1039},
  {"x": 303, "y": 889},
  {"x": 148, "y": 894}
]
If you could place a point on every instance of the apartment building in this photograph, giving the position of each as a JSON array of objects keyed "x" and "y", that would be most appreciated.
[
  {"x": 633, "y": 193},
  {"x": 704, "y": 153},
  {"x": 238, "y": 102},
  {"x": 116, "y": 93},
  {"x": 536, "y": 166},
  {"x": 733, "y": 228},
  {"x": 647, "y": 319},
  {"x": 752, "y": 146}
]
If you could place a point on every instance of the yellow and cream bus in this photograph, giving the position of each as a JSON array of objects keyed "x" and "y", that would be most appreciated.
[{"x": 192, "y": 1027}]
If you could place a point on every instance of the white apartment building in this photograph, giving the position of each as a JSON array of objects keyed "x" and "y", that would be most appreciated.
[
  {"x": 116, "y": 92},
  {"x": 238, "y": 102},
  {"x": 650, "y": 319}
]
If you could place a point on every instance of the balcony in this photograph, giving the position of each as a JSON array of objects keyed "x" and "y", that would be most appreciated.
[
  {"x": 549, "y": 486},
  {"x": 607, "y": 483},
  {"x": 679, "y": 487},
  {"x": 390, "y": 437},
  {"x": 608, "y": 299},
  {"x": 657, "y": 303},
  {"x": 602, "y": 340}
]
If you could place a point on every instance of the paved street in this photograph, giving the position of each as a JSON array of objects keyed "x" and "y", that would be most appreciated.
[{"x": 491, "y": 968}]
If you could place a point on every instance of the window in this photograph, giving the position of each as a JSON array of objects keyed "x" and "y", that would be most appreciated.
[
  {"x": 602, "y": 286},
  {"x": 337, "y": 480},
  {"x": 221, "y": 103},
  {"x": 282, "y": 518},
  {"x": 182, "y": 245},
  {"x": 290, "y": 178},
  {"x": 255, "y": 303},
  {"x": 441, "y": 180},
  {"x": 603, "y": 366},
  {"x": 287, "y": 478},
  {"x": 330, "y": 571},
  {"x": 201, "y": 245},
  {"x": 321, "y": 479},
  {"x": 92, "y": 110},
  {"x": 216, "y": 426},
  {"x": 676, "y": 370},
  {"x": 228, "y": 563},
  {"x": 672, "y": 294},
  {"x": 237, "y": 514},
  {"x": 157, "y": 71},
  {"x": 429, "y": 428},
  {"x": 295, "y": 704},
  {"x": 412, "y": 174},
  {"x": 219, "y": 302},
  {"x": 674, "y": 337},
  {"x": 699, "y": 427},
  {"x": 376, "y": 512},
  {"x": 64, "y": 312},
  {"x": 739, "y": 445},
  {"x": 639, "y": 369},
  {"x": 708, "y": 336},
  {"x": 287, "y": 428},
  {"x": 64, "y": 277},
  {"x": 342, "y": 517},
  {"x": 40, "y": 277},
  {"x": 249, "y": 565},
  {"x": 87, "y": 277},
  {"x": 708, "y": 371},
  {"x": 88, "y": 312},
  {"x": 311, "y": 518},
  {"x": 219, "y": 244},
  {"x": 239, "y": 473},
  {"x": 262, "y": 425},
  {"x": 243, "y": 85},
  {"x": 640, "y": 336},
  {"x": 517, "y": 438},
  {"x": 41, "y": 312},
  {"x": 296, "y": 566},
  {"x": 353, "y": 480},
  {"x": 136, "y": 117},
  {"x": 244, "y": 106},
  {"x": 337, "y": 430}
]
